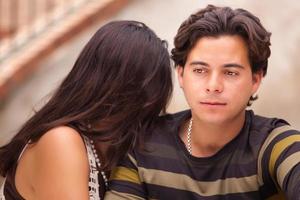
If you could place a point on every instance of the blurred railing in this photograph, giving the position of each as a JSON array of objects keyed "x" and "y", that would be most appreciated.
[
  {"x": 22, "y": 20},
  {"x": 30, "y": 30}
]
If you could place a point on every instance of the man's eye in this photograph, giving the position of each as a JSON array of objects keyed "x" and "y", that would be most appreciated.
[
  {"x": 200, "y": 71},
  {"x": 230, "y": 73}
]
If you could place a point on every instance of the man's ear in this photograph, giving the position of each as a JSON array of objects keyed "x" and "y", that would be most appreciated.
[
  {"x": 256, "y": 80},
  {"x": 180, "y": 71}
]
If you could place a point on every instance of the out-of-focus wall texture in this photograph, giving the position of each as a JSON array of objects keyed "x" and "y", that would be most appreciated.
[{"x": 279, "y": 93}]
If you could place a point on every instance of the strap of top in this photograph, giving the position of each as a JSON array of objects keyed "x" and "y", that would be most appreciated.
[
  {"x": 23, "y": 150},
  {"x": 93, "y": 177},
  {"x": 2, "y": 197},
  {"x": 2, "y": 191}
]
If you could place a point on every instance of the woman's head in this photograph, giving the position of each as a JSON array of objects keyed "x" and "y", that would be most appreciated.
[
  {"x": 123, "y": 70},
  {"x": 117, "y": 87}
]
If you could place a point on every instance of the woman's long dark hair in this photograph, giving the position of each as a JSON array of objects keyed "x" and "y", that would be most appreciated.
[{"x": 118, "y": 86}]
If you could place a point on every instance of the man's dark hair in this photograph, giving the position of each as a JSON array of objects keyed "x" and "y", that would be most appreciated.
[{"x": 215, "y": 21}]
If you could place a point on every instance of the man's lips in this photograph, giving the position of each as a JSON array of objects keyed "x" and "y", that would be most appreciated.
[{"x": 213, "y": 103}]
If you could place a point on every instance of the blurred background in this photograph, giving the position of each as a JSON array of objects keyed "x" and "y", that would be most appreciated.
[{"x": 40, "y": 40}]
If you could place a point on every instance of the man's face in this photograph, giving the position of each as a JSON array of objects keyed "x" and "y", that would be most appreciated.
[{"x": 217, "y": 79}]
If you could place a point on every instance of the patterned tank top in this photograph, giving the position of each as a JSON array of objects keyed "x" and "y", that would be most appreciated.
[{"x": 97, "y": 185}]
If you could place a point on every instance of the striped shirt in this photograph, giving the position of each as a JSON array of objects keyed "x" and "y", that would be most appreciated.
[{"x": 261, "y": 162}]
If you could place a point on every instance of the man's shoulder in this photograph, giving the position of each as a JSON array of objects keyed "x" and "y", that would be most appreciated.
[
  {"x": 277, "y": 145},
  {"x": 264, "y": 124},
  {"x": 268, "y": 130},
  {"x": 272, "y": 126}
]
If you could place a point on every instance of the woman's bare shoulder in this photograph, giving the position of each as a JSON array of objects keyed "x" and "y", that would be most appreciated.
[{"x": 60, "y": 161}]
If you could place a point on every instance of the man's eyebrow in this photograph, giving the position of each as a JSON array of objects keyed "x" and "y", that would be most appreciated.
[
  {"x": 199, "y": 63},
  {"x": 225, "y": 65},
  {"x": 234, "y": 65}
]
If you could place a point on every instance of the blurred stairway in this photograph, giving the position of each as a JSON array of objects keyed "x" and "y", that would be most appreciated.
[{"x": 31, "y": 29}]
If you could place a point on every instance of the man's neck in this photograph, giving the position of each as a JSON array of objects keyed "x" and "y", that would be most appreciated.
[{"x": 208, "y": 139}]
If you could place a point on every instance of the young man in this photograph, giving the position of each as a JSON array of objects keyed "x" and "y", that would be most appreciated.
[{"x": 218, "y": 149}]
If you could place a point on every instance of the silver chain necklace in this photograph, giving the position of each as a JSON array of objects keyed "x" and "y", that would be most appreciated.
[
  {"x": 89, "y": 126},
  {"x": 99, "y": 164},
  {"x": 189, "y": 137}
]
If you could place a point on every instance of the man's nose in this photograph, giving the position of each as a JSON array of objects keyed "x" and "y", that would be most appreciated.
[{"x": 215, "y": 84}]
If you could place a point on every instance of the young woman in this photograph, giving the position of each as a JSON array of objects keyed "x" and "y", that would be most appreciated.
[{"x": 118, "y": 86}]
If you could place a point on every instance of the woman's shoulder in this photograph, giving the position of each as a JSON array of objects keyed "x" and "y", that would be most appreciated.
[
  {"x": 59, "y": 158},
  {"x": 61, "y": 136},
  {"x": 59, "y": 144}
]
